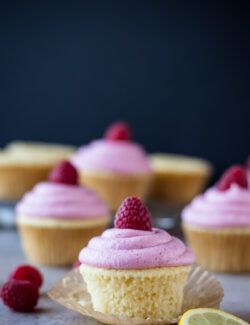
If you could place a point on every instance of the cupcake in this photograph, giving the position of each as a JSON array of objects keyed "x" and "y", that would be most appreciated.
[
  {"x": 178, "y": 179},
  {"x": 217, "y": 224},
  {"x": 57, "y": 218},
  {"x": 23, "y": 164},
  {"x": 114, "y": 166},
  {"x": 135, "y": 270}
]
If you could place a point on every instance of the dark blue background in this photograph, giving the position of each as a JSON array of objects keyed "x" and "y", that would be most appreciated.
[{"x": 178, "y": 72}]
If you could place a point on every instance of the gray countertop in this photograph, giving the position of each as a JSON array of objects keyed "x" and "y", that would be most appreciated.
[{"x": 236, "y": 300}]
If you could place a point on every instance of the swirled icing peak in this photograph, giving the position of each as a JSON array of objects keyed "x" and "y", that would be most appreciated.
[
  {"x": 215, "y": 208},
  {"x": 135, "y": 249},
  {"x": 64, "y": 201},
  {"x": 115, "y": 156}
]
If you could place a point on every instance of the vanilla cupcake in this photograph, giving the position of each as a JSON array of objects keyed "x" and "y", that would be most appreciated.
[
  {"x": 23, "y": 164},
  {"x": 135, "y": 270},
  {"x": 217, "y": 224},
  {"x": 57, "y": 218},
  {"x": 177, "y": 178},
  {"x": 114, "y": 166}
]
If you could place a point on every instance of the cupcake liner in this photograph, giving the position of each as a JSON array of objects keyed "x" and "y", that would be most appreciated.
[
  {"x": 220, "y": 249},
  {"x": 114, "y": 187},
  {"x": 17, "y": 180},
  {"x": 55, "y": 246},
  {"x": 202, "y": 290},
  {"x": 177, "y": 188}
]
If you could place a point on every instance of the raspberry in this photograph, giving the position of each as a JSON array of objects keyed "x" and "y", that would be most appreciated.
[
  {"x": 64, "y": 173},
  {"x": 77, "y": 263},
  {"x": 235, "y": 174},
  {"x": 118, "y": 131},
  {"x": 28, "y": 273},
  {"x": 20, "y": 295},
  {"x": 133, "y": 214}
]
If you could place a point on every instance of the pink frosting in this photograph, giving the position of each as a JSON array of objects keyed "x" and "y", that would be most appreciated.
[
  {"x": 61, "y": 201},
  {"x": 214, "y": 208},
  {"x": 115, "y": 156},
  {"x": 135, "y": 249}
]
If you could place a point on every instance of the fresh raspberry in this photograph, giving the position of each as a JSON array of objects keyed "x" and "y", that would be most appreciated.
[
  {"x": 118, "y": 131},
  {"x": 77, "y": 264},
  {"x": 20, "y": 295},
  {"x": 133, "y": 214},
  {"x": 28, "y": 273},
  {"x": 64, "y": 173},
  {"x": 235, "y": 174}
]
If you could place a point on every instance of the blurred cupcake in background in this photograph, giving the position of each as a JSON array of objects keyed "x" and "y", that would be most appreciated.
[
  {"x": 57, "y": 218},
  {"x": 178, "y": 179},
  {"x": 217, "y": 224},
  {"x": 115, "y": 166},
  {"x": 23, "y": 164}
]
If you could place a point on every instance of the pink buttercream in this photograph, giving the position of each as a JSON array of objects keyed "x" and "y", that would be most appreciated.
[
  {"x": 136, "y": 249},
  {"x": 115, "y": 156},
  {"x": 61, "y": 201},
  {"x": 215, "y": 208}
]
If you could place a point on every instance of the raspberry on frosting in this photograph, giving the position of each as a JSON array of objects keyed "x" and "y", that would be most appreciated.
[
  {"x": 28, "y": 273},
  {"x": 234, "y": 175},
  {"x": 118, "y": 131},
  {"x": 133, "y": 214},
  {"x": 20, "y": 295},
  {"x": 64, "y": 172}
]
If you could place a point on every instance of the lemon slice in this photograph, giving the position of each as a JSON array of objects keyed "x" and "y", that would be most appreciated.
[{"x": 209, "y": 316}]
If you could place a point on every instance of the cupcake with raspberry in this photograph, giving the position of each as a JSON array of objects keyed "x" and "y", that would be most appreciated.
[
  {"x": 217, "y": 224},
  {"x": 58, "y": 217},
  {"x": 135, "y": 270},
  {"x": 115, "y": 166}
]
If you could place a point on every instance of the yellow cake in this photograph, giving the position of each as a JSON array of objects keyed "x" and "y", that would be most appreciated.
[
  {"x": 23, "y": 164},
  {"x": 115, "y": 166},
  {"x": 177, "y": 178},
  {"x": 135, "y": 270},
  {"x": 217, "y": 224},
  {"x": 58, "y": 217}
]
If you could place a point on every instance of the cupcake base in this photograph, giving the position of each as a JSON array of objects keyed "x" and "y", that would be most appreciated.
[
  {"x": 17, "y": 180},
  {"x": 155, "y": 293},
  {"x": 178, "y": 179},
  {"x": 114, "y": 187},
  {"x": 220, "y": 249},
  {"x": 57, "y": 242}
]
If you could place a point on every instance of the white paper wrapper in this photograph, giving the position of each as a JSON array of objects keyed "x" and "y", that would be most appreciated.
[{"x": 201, "y": 290}]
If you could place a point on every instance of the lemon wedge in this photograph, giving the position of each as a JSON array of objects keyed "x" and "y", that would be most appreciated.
[{"x": 209, "y": 316}]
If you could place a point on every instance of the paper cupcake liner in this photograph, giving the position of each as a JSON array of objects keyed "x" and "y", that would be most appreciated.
[
  {"x": 177, "y": 188},
  {"x": 17, "y": 180},
  {"x": 202, "y": 290},
  {"x": 114, "y": 188},
  {"x": 220, "y": 250},
  {"x": 55, "y": 246}
]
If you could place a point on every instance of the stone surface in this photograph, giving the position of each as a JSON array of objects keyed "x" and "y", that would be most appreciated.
[{"x": 236, "y": 300}]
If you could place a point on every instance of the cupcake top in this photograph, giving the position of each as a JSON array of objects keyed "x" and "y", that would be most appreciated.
[
  {"x": 62, "y": 197},
  {"x": 114, "y": 153},
  {"x": 134, "y": 244},
  {"x": 226, "y": 204}
]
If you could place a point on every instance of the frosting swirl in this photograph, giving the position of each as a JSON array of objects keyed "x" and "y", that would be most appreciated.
[
  {"x": 115, "y": 156},
  {"x": 215, "y": 208},
  {"x": 135, "y": 249},
  {"x": 64, "y": 201}
]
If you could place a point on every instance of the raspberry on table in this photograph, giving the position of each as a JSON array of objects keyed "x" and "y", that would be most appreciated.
[
  {"x": 233, "y": 175},
  {"x": 133, "y": 214},
  {"x": 20, "y": 295},
  {"x": 64, "y": 172},
  {"x": 118, "y": 131},
  {"x": 28, "y": 273}
]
